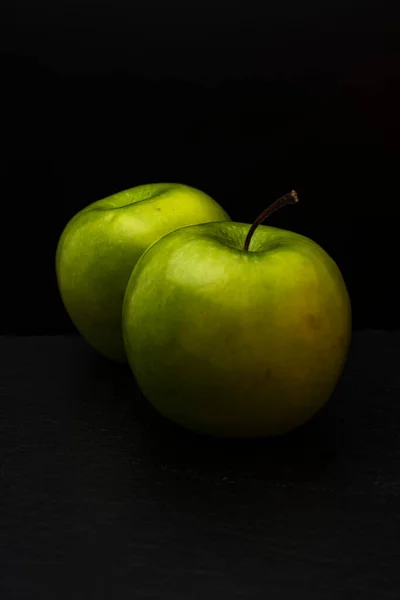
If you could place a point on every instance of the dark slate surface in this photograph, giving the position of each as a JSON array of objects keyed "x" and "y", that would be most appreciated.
[{"x": 102, "y": 498}]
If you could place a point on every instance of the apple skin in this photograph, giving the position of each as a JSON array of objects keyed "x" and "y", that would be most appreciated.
[
  {"x": 101, "y": 244},
  {"x": 233, "y": 343}
]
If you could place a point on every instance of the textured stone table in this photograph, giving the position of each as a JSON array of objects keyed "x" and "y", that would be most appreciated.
[{"x": 102, "y": 498}]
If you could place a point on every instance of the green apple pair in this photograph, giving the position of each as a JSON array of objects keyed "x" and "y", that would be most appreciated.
[{"x": 230, "y": 330}]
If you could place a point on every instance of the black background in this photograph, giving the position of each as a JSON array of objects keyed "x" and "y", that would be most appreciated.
[
  {"x": 245, "y": 101},
  {"x": 99, "y": 496}
]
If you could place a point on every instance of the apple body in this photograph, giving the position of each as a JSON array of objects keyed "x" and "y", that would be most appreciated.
[
  {"x": 236, "y": 343},
  {"x": 101, "y": 244}
]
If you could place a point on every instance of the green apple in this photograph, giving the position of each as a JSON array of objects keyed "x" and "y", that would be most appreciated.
[
  {"x": 102, "y": 243},
  {"x": 235, "y": 340}
]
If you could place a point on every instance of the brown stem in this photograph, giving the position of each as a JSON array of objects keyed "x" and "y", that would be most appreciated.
[{"x": 290, "y": 198}]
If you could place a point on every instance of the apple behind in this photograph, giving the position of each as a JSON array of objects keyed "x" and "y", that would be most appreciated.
[{"x": 101, "y": 244}]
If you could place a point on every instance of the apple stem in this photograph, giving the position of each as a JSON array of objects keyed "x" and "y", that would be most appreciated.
[{"x": 290, "y": 198}]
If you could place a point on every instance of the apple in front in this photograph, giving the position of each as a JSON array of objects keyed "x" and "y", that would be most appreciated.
[
  {"x": 237, "y": 343},
  {"x": 101, "y": 244}
]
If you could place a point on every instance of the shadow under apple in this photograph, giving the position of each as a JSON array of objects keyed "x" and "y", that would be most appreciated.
[{"x": 115, "y": 418}]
